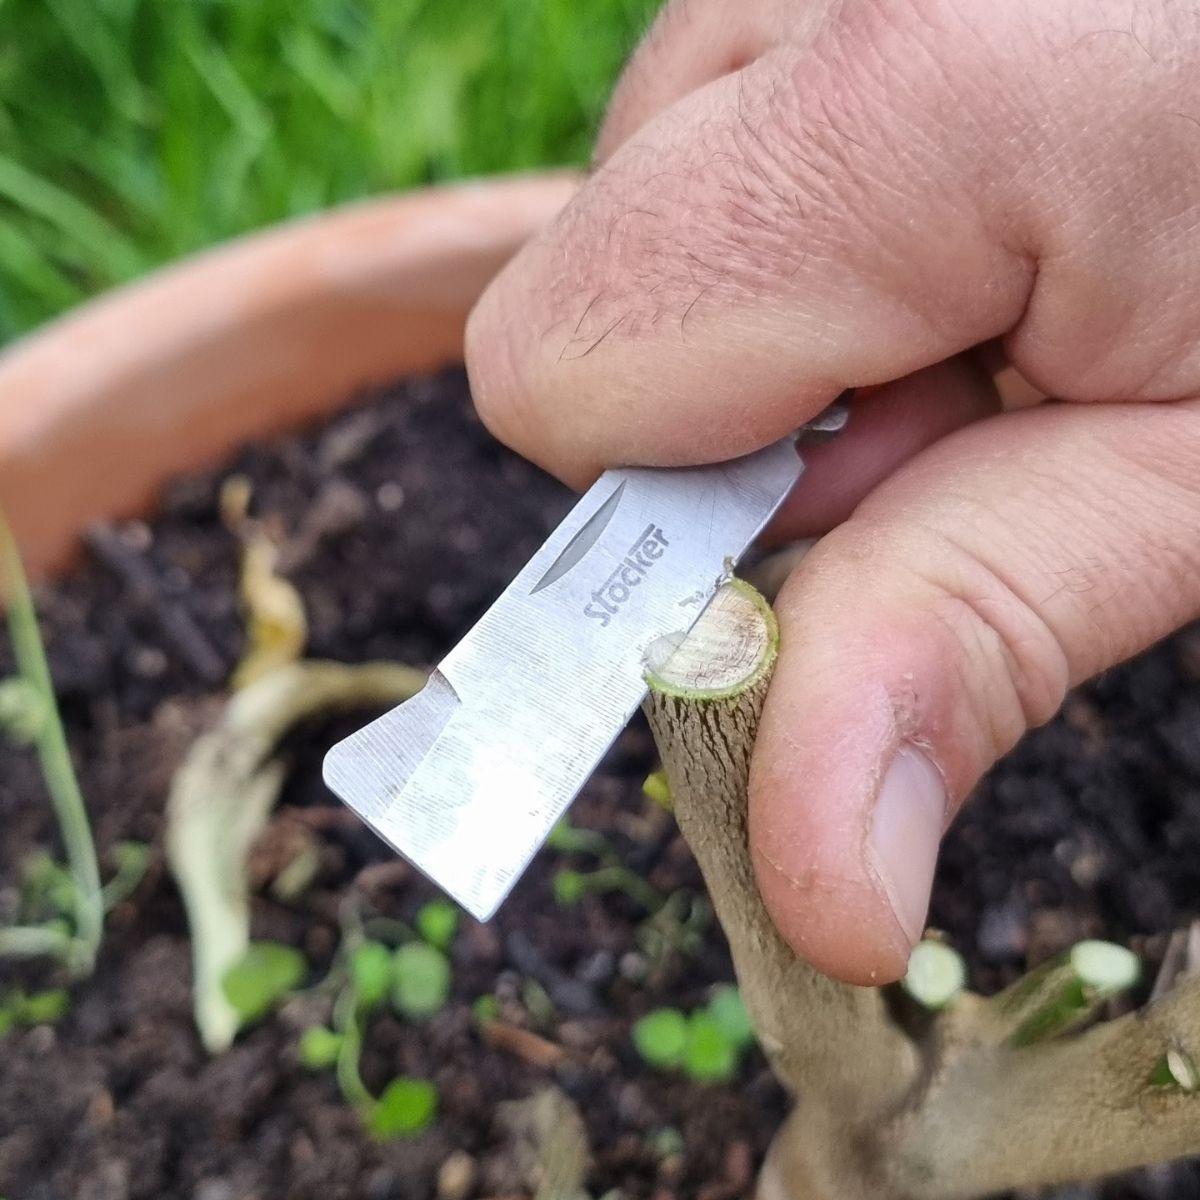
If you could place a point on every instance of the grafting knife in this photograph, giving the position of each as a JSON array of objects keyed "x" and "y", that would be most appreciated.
[{"x": 467, "y": 779}]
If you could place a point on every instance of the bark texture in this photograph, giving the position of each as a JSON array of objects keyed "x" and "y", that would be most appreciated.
[{"x": 931, "y": 1107}]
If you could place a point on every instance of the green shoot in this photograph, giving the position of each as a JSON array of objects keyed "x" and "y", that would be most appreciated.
[
  {"x": 132, "y": 859},
  {"x": 348, "y": 1023},
  {"x": 421, "y": 980},
  {"x": 571, "y": 886},
  {"x": 437, "y": 923},
  {"x": 657, "y": 789},
  {"x": 485, "y": 1010},
  {"x": 1064, "y": 993},
  {"x": 39, "y": 716},
  {"x": 406, "y": 1108},
  {"x": 32, "y": 1008},
  {"x": 417, "y": 978},
  {"x": 266, "y": 974}
]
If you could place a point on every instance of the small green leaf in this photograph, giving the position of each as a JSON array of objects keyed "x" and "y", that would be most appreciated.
[
  {"x": 406, "y": 1107},
  {"x": 485, "y": 1010},
  {"x": 262, "y": 977},
  {"x": 23, "y": 710},
  {"x": 437, "y": 923},
  {"x": 569, "y": 887},
  {"x": 319, "y": 1047},
  {"x": 43, "y": 1008},
  {"x": 661, "y": 1037},
  {"x": 371, "y": 973},
  {"x": 421, "y": 980},
  {"x": 709, "y": 1056},
  {"x": 726, "y": 1011},
  {"x": 657, "y": 788}
]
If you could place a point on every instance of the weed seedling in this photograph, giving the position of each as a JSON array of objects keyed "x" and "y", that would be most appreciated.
[
  {"x": 706, "y": 1045},
  {"x": 570, "y": 885},
  {"x": 415, "y": 978},
  {"x": 71, "y": 925},
  {"x": 33, "y": 1008}
]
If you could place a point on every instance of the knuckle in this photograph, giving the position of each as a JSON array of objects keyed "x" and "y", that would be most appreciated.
[{"x": 1012, "y": 671}]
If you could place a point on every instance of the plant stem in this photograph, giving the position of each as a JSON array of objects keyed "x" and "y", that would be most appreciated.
[
  {"x": 35, "y": 941},
  {"x": 54, "y": 756},
  {"x": 347, "y": 1020}
]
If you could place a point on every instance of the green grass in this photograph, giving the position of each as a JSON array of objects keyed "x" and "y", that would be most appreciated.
[{"x": 135, "y": 131}]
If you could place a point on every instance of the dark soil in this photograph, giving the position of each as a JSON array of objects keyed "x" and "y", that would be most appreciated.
[{"x": 402, "y": 519}]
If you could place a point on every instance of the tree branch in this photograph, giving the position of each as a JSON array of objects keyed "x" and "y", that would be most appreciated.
[{"x": 985, "y": 1095}]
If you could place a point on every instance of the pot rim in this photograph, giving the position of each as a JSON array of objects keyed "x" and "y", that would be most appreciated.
[{"x": 99, "y": 408}]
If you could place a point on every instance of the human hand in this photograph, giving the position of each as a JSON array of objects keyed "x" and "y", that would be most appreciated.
[{"x": 796, "y": 198}]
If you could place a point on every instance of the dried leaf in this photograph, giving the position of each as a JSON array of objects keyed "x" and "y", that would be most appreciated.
[
  {"x": 276, "y": 626},
  {"x": 222, "y": 795}
]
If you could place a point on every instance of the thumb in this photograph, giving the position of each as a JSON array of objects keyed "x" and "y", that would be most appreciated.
[{"x": 925, "y": 635}]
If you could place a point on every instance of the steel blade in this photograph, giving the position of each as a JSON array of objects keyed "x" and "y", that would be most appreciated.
[{"x": 467, "y": 779}]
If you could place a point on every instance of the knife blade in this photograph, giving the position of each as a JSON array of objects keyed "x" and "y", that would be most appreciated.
[{"x": 467, "y": 779}]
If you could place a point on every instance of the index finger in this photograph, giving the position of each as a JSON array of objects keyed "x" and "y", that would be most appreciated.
[{"x": 770, "y": 240}]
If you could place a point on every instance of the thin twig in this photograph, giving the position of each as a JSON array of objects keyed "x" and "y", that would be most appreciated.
[{"x": 55, "y": 758}]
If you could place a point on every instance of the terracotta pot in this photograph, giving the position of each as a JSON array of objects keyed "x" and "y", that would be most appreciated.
[{"x": 100, "y": 408}]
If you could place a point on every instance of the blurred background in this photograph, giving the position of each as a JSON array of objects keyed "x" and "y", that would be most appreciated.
[{"x": 136, "y": 131}]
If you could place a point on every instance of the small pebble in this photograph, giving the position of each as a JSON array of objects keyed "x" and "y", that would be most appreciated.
[
  {"x": 100, "y": 1109},
  {"x": 384, "y": 1184},
  {"x": 213, "y": 1189},
  {"x": 41, "y": 1039},
  {"x": 1003, "y": 930},
  {"x": 389, "y": 496},
  {"x": 136, "y": 535},
  {"x": 632, "y": 967},
  {"x": 149, "y": 662},
  {"x": 739, "y": 1165},
  {"x": 456, "y": 1176},
  {"x": 597, "y": 969}
]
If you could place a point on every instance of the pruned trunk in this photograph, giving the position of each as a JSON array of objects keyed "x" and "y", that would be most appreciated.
[{"x": 984, "y": 1096}]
